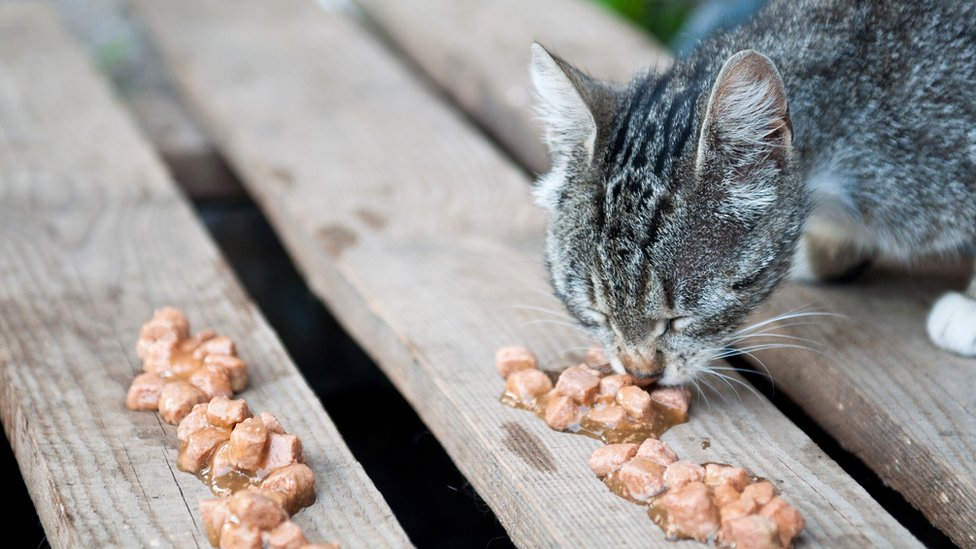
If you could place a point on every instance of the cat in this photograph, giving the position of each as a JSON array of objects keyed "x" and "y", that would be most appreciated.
[{"x": 819, "y": 135}]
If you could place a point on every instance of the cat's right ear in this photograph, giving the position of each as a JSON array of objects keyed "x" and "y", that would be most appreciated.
[{"x": 572, "y": 106}]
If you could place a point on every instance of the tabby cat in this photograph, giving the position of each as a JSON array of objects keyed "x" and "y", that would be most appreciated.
[{"x": 816, "y": 137}]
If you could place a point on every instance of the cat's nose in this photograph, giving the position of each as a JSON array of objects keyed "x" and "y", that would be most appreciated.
[{"x": 643, "y": 363}]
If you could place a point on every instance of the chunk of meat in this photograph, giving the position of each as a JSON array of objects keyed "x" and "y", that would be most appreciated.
[
  {"x": 286, "y": 535},
  {"x": 608, "y": 417},
  {"x": 195, "y": 454},
  {"x": 194, "y": 421},
  {"x": 177, "y": 399},
  {"x": 248, "y": 442},
  {"x": 674, "y": 400},
  {"x": 690, "y": 512},
  {"x": 716, "y": 474},
  {"x": 682, "y": 472},
  {"x": 528, "y": 385},
  {"x": 271, "y": 423},
  {"x": 611, "y": 457},
  {"x": 158, "y": 337},
  {"x": 212, "y": 380},
  {"x": 282, "y": 450},
  {"x": 750, "y": 532},
  {"x": 562, "y": 412},
  {"x": 724, "y": 494},
  {"x": 657, "y": 451},
  {"x": 739, "y": 508},
  {"x": 144, "y": 392},
  {"x": 256, "y": 509},
  {"x": 234, "y": 535},
  {"x": 611, "y": 385},
  {"x": 596, "y": 359},
  {"x": 641, "y": 478},
  {"x": 225, "y": 412},
  {"x": 236, "y": 369},
  {"x": 214, "y": 512},
  {"x": 635, "y": 401},
  {"x": 220, "y": 345},
  {"x": 761, "y": 492},
  {"x": 509, "y": 360},
  {"x": 579, "y": 383},
  {"x": 292, "y": 486},
  {"x": 788, "y": 520}
]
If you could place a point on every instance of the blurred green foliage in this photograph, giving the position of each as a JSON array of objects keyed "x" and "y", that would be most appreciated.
[{"x": 662, "y": 18}]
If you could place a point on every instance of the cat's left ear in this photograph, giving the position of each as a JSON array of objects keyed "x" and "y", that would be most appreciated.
[
  {"x": 747, "y": 124},
  {"x": 575, "y": 108}
]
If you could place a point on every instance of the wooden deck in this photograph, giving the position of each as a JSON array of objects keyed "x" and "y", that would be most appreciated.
[
  {"x": 93, "y": 236},
  {"x": 364, "y": 172},
  {"x": 389, "y": 146}
]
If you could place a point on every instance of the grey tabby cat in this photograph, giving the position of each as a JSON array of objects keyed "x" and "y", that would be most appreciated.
[{"x": 819, "y": 135}]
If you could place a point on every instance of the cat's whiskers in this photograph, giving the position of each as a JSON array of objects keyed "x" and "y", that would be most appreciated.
[
  {"x": 732, "y": 379},
  {"x": 557, "y": 323},
  {"x": 543, "y": 310}
]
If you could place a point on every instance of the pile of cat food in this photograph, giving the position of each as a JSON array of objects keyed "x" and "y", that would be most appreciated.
[
  {"x": 690, "y": 501},
  {"x": 250, "y": 461},
  {"x": 182, "y": 371},
  {"x": 709, "y": 503},
  {"x": 585, "y": 399}
]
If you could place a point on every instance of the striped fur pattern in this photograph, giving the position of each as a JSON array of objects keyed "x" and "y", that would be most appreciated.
[{"x": 676, "y": 203}]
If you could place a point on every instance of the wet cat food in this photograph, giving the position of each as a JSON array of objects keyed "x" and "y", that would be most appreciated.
[
  {"x": 692, "y": 501},
  {"x": 250, "y": 520},
  {"x": 582, "y": 399},
  {"x": 182, "y": 371},
  {"x": 230, "y": 450},
  {"x": 509, "y": 360}
]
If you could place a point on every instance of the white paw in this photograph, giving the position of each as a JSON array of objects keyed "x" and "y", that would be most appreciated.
[{"x": 952, "y": 324}]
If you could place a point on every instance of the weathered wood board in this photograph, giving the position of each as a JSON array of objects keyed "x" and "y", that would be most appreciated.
[
  {"x": 884, "y": 391},
  {"x": 117, "y": 44},
  {"x": 93, "y": 237},
  {"x": 422, "y": 239},
  {"x": 479, "y": 53}
]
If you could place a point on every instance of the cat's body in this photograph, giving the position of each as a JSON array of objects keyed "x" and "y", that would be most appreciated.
[{"x": 676, "y": 203}]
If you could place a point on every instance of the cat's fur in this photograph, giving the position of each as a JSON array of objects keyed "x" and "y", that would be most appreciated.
[{"x": 676, "y": 203}]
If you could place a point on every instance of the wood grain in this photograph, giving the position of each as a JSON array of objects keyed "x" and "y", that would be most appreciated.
[
  {"x": 93, "y": 237},
  {"x": 118, "y": 45},
  {"x": 882, "y": 389},
  {"x": 479, "y": 53},
  {"x": 422, "y": 239}
]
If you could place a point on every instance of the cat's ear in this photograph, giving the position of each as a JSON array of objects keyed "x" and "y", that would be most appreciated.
[
  {"x": 573, "y": 106},
  {"x": 747, "y": 123}
]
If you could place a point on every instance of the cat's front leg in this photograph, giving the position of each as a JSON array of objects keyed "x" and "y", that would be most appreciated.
[
  {"x": 826, "y": 253},
  {"x": 952, "y": 321}
]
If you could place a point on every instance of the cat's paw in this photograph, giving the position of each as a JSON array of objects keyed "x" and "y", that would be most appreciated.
[{"x": 952, "y": 324}]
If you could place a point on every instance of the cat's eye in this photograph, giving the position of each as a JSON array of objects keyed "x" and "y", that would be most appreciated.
[
  {"x": 676, "y": 324},
  {"x": 680, "y": 323}
]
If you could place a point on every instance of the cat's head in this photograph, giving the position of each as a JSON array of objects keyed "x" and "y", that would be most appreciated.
[{"x": 673, "y": 205}]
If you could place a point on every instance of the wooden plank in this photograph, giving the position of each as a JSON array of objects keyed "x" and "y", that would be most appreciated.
[
  {"x": 119, "y": 46},
  {"x": 479, "y": 53},
  {"x": 882, "y": 389},
  {"x": 93, "y": 237},
  {"x": 421, "y": 238}
]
